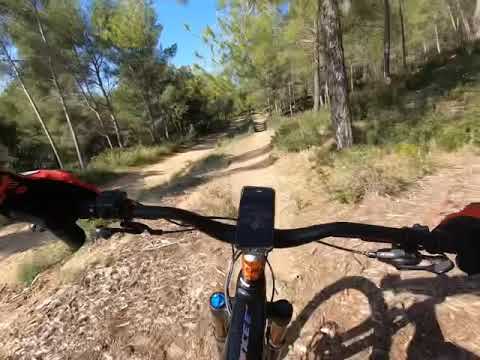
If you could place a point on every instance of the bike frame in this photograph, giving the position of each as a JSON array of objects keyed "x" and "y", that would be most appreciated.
[{"x": 246, "y": 335}]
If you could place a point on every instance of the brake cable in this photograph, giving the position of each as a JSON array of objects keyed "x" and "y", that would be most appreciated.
[
  {"x": 235, "y": 256},
  {"x": 359, "y": 252},
  {"x": 176, "y": 223},
  {"x": 207, "y": 217},
  {"x": 221, "y": 218}
]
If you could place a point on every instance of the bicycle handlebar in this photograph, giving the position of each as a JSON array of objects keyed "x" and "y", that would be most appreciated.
[{"x": 283, "y": 238}]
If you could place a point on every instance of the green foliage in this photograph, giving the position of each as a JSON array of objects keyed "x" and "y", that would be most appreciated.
[
  {"x": 128, "y": 24},
  {"x": 302, "y": 131},
  {"x": 397, "y": 127},
  {"x": 437, "y": 106},
  {"x": 113, "y": 72},
  {"x": 135, "y": 156},
  {"x": 98, "y": 176}
]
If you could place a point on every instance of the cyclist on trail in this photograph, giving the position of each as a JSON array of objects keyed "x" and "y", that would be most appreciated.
[{"x": 50, "y": 198}]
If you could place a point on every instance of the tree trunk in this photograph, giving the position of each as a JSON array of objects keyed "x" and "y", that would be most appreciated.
[
  {"x": 290, "y": 102},
  {"x": 402, "y": 27},
  {"x": 455, "y": 24},
  {"x": 466, "y": 25},
  {"x": 67, "y": 117},
  {"x": 439, "y": 49},
  {"x": 147, "y": 105},
  {"x": 316, "y": 65},
  {"x": 316, "y": 87},
  {"x": 336, "y": 74},
  {"x": 452, "y": 18},
  {"x": 165, "y": 125},
  {"x": 476, "y": 21},
  {"x": 386, "y": 41},
  {"x": 34, "y": 106},
  {"x": 149, "y": 112},
  {"x": 327, "y": 94},
  {"x": 351, "y": 78},
  {"x": 58, "y": 87},
  {"x": 105, "y": 133},
  {"x": 110, "y": 107},
  {"x": 152, "y": 135},
  {"x": 95, "y": 110},
  {"x": 293, "y": 88}
]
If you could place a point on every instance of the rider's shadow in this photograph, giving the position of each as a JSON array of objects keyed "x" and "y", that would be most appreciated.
[{"x": 376, "y": 332}]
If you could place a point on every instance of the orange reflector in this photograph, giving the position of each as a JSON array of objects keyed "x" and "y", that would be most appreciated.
[{"x": 252, "y": 268}]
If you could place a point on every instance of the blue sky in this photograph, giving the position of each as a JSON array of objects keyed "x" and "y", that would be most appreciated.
[{"x": 197, "y": 14}]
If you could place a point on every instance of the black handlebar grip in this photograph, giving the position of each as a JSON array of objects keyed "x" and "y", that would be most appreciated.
[{"x": 112, "y": 205}]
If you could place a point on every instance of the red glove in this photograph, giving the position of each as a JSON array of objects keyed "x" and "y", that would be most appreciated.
[
  {"x": 462, "y": 229},
  {"x": 51, "y": 198}
]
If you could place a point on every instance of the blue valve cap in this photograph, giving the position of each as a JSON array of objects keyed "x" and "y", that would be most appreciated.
[{"x": 217, "y": 301}]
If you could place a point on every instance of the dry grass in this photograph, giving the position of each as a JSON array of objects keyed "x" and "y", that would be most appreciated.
[
  {"x": 134, "y": 156},
  {"x": 83, "y": 260},
  {"x": 349, "y": 176},
  {"x": 31, "y": 263},
  {"x": 217, "y": 200}
]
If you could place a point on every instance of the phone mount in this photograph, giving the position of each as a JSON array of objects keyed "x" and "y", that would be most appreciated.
[{"x": 256, "y": 218}]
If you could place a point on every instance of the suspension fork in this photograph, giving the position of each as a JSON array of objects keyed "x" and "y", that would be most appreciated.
[
  {"x": 244, "y": 332},
  {"x": 279, "y": 315}
]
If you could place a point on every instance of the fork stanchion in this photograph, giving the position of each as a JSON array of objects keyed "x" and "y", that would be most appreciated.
[
  {"x": 280, "y": 316},
  {"x": 219, "y": 319}
]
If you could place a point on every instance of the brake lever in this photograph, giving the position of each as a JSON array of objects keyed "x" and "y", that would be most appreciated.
[
  {"x": 127, "y": 227},
  {"x": 438, "y": 265},
  {"x": 404, "y": 260}
]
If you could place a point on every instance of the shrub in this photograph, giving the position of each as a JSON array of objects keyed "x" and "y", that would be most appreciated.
[
  {"x": 303, "y": 131},
  {"x": 386, "y": 171},
  {"x": 40, "y": 259},
  {"x": 134, "y": 156},
  {"x": 97, "y": 176},
  {"x": 108, "y": 165},
  {"x": 456, "y": 135}
]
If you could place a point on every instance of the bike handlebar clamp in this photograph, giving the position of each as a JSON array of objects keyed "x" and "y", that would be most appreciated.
[{"x": 112, "y": 205}]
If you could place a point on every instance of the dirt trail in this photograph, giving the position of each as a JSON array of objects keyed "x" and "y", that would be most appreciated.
[
  {"x": 375, "y": 309},
  {"x": 143, "y": 298},
  {"x": 161, "y": 173},
  {"x": 17, "y": 238}
]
